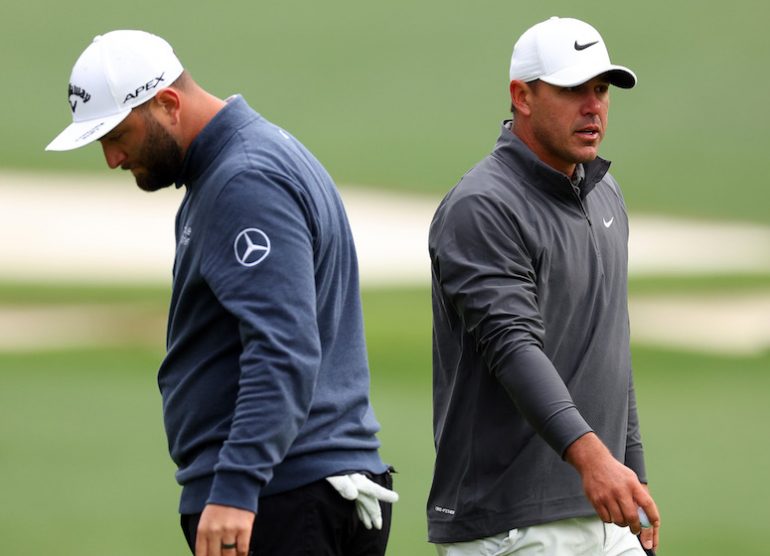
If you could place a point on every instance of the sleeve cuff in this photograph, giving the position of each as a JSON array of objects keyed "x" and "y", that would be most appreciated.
[
  {"x": 635, "y": 461},
  {"x": 236, "y": 490},
  {"x": 564, "y": 428}
]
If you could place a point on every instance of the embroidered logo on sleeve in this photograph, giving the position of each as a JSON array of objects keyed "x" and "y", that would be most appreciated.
[
  {"x": 186, "y": 235},
  {"x": 251, "y": 246}
]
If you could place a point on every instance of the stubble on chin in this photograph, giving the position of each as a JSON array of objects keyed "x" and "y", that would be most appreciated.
[
  {"x": 150, "y": 183},
  {"x": 161, "y": 159}
]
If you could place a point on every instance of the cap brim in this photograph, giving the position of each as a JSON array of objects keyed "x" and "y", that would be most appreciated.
[
  {"x": 617, "y": 75},
  {"x": 80, "y": 134}
]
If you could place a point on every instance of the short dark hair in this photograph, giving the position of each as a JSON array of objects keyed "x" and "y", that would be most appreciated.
[{"x": 183, "y": 81}]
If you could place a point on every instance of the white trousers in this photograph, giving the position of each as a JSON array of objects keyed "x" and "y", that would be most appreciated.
[{"x": 585, "y": 536}]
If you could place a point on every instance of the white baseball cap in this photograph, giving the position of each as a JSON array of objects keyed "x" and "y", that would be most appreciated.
[
  {"x": 117, "y": 72},
  {"x": 565, "y": 52}
]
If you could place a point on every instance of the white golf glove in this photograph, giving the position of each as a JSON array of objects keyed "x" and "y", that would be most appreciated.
[{"x": 367, "y": 496}]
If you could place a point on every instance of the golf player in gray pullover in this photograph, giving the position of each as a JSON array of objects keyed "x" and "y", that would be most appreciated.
[{"x": 538, "y": 446}]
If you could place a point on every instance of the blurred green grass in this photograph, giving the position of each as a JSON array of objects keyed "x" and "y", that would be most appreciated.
[
  {"x": 83, "y": 453},
  {"x": 399, "y": 95},
  {"x": 410, "y": 94}
]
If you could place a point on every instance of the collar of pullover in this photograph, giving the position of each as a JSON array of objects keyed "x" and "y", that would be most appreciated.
[
  {"x": 514, "y": 153},
  {"x": 210, "y": 141}
]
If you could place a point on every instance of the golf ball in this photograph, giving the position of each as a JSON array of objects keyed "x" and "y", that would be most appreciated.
[{"x": 644, "y": 520}]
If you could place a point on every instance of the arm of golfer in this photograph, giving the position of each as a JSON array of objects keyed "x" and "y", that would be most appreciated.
[
  {"x": 612, "y": 488},
  {"x": 221, "y": 526}
]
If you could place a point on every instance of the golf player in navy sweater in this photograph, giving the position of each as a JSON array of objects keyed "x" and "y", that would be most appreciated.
[{"x": 265, "y": 384}]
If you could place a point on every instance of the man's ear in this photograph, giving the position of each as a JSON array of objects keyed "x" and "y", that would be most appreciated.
[
  {"x": 167, "y": 103},
  {"x": 521, "y": 97}
]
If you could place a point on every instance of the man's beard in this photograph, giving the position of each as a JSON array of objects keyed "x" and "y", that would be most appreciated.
[{"x": 160, "y": 158}]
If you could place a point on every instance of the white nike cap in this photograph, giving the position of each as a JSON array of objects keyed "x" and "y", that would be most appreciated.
[
  {"x": 117, "y": 72},
  {"x": 565, "y": 52}
]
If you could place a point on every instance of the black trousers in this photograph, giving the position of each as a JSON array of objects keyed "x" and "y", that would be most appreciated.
[{"x": 313, "y": 520}]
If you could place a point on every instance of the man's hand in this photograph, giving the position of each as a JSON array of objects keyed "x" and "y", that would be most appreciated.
[
  {"x": 613, "y": 489},
  {"x": 367, "y": 496},
  {"x": 224, "y": 531}
]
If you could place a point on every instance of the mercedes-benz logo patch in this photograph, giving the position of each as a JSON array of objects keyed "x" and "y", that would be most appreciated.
[{"x": 251, "y": 247}]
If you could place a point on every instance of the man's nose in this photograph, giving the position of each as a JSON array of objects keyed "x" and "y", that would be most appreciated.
[
  {"x": 593, "y": 103},
  {"x": 113, "y": 155}
]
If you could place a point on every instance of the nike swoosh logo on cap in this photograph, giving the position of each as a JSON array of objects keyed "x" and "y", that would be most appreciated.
[{"x": 579, "y": 46}]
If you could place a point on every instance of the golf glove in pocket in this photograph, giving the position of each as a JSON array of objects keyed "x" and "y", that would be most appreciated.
[{"x": 366, "y": 494}]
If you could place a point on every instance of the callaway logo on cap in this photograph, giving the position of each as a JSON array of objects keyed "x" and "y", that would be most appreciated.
[
  {"x": 117, "y": 72},
  {"x": 565, "y": 52}
]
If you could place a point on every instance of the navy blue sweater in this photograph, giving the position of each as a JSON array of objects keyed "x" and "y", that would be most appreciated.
[{"x": 266, "y": 381}]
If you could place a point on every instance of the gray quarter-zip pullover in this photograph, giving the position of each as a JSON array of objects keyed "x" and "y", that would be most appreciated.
[{"x": 530, "y": 342}]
